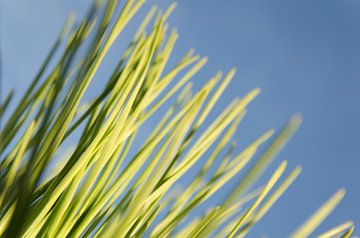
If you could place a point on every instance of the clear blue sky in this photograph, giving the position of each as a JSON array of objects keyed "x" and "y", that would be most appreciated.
[{"x": 305, "y": 55}]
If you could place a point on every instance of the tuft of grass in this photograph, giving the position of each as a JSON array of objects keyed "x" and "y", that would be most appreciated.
[{"x": 106, "y": 186}]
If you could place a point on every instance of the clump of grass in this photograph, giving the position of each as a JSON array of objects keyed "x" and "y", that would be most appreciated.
[{"x": 101, "y": 189}]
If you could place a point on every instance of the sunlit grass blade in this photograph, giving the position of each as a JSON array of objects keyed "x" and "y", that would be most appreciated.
[
  {"x": 275, "y": 177},
  {"x": 310, "y": 225},
  {"x": 342, "y": 230}
]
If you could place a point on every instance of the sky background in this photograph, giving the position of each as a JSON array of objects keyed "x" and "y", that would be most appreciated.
[{"x": 304, "y": 55}]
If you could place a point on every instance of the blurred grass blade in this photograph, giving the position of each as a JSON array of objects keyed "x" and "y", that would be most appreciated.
[{"x": 310, "y": 225}]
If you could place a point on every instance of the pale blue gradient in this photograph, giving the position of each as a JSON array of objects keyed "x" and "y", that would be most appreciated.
[{"x": 305, "y": 55}]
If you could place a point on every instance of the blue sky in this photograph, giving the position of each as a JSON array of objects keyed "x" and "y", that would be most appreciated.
[{"x": 305, "y": 55}]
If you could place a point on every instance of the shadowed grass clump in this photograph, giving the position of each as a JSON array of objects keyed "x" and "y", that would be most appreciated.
[{"x": 107, "y": 187}]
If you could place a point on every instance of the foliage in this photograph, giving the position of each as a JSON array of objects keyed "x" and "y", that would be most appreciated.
[{"x": 100, "y": 188}]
